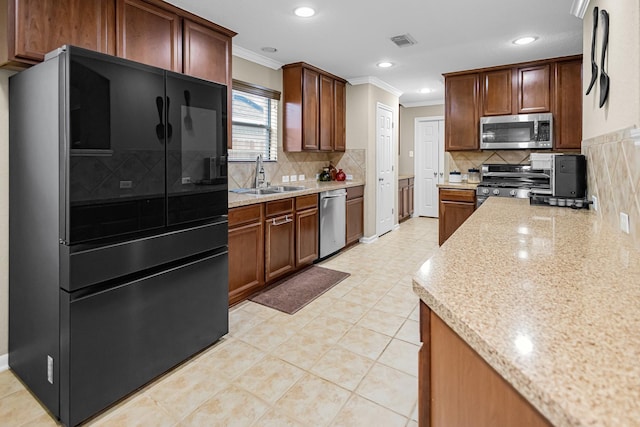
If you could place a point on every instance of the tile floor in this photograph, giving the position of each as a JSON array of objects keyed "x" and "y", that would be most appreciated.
[{"x": 347, "y": 359}]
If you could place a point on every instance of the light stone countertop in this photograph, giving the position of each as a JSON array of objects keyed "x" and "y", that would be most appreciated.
[
  {"x": 405, "y": 176},
  {"x": 458, "y": 185},
  {"x": 312, "y": 187},
  {"x": 550, "y": 298}
]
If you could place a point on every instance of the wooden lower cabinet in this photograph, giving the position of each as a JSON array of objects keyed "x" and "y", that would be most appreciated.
[
  {"x": 455, "y": 206},
  {"x": 307, "y": 249},
  {"x": 456, "y": 387},
  {"x": 246, "y": 251},
  {"x": 355, "y": 214},
  {"x": 405, "y": 198},
  {"x": 279, "y": 241}
]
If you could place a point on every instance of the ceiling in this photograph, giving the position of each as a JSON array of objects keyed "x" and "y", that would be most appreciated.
[{"x": 349, "y": 37}]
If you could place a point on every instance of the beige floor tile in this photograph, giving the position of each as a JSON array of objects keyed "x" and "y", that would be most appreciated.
[
  {"x": 275, "y": 418},
  {"x": 9, "y": 383},
  {"x": 44, "y": 420},
  {"x": 19, "y": 407},
  {"x": 346, "y": 310},
  {"x": 415, "y": 314},
  {"x": 414, "y": 413},
  {"x": 382, "y": 322},
  {"x": 362, "y": 412},
  {"x": 364, "y": 342},
  {"x": 313, "y": 400},
  {"x": 390, "y": 388},
  {"x": 361, "y": 295},
  {"x": 412, "y": 423},
  {"x": 140, "y": 412},
  {"x": 231, "y": 407},
  {"x": 400, "y": 306},
  {"x": 342, "y": 367},
  {"x": 229, "y": 361},
  {"x": 242, "y": 320},
  {"x": 409, "y": 331},
  {"x": 401, "y": 355},
  {"x": 258, "y": 309},
  {"x": 266, "y": 336},
  {"x": 269, "y": 379},
  {"x": 302, "y": 350},
  {"x": 326, "y": 328}
]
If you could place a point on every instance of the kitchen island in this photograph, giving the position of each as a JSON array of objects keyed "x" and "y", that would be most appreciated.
[{"x": 549, "y": 298}]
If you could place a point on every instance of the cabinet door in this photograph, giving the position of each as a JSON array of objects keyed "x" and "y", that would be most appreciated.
[
  {"x": 568, "y": 105},
  {"x": 310, "y": 109},
  {"x": 306, "y": 236},
  {"x": 496, "y": 92},
  {"x": 461, "y": 112},
  {"x": 405, "y": 202},
  {"x": 279, "y": 246},
  {"x": 339, "y": 112},
  {"x": 410, "y": 196},
  {"x": 326, "y": 113},
  {"x": 534, "y": 89},
  {"x": 246, "y": 260},
  {"x": 43, "y": 25},
  {"x": 207, "y": 53},
  {"x": 355, "y": 220},
  {"x": 452, "y": 215},
  {"x": 149, "y": 34}
]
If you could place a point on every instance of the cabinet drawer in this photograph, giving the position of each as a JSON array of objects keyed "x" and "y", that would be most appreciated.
[
  {"x": 355, "y": 192},
  {"x": 245, "y": 215},
  {"x": 306, "y": 202},
  {"x": 457, "y": 195},
  {"x": 279, "y": 207}
]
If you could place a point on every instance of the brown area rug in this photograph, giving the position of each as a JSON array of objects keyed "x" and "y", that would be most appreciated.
[{"x": 291, "y": 294}]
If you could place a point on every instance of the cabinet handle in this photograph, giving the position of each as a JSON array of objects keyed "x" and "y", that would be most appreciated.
[{"x": 286, "y": 220}]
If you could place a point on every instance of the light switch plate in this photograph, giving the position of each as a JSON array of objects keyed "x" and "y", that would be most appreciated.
[
  {"x": 624, "y": 222},
  {"x": 594, "y": 199},
  {"x": 411, "y": 153},
  {"x": 293, "y": 178},
  {"x": 300, "y": 177},
  {"x": 285, "y": 178}
]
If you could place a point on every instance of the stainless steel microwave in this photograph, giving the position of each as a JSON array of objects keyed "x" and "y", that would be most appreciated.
[{"x": 519, "y": 131}]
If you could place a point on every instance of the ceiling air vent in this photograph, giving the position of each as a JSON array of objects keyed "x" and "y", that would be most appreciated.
[{"x": 403, "y": 40}]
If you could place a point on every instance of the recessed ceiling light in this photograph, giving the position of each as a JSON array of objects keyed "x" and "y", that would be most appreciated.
[
  {"x": 269, "y": 49},
  {"x": 385, "y": 64},
  {"x": 425, "y": 90},
  {"x": 304, "y": 12},
  {"x": 525, "y": 40}
]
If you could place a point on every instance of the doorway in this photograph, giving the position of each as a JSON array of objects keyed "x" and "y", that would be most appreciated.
[
  {"x": 429, "y": 164},
  {"x": 384, "y": 169}
]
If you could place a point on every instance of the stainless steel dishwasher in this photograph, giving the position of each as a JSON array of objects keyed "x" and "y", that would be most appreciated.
[{"x": 333, "y": 212}]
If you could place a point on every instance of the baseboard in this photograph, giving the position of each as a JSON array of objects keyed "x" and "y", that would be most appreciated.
[
  {"x": 369, "y": 239},
  {"x": 395, "y": 227},
  {"x": 4, "y": 362}
]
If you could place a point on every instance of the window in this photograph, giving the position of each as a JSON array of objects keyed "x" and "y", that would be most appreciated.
[{"x": 255, "y": 122}]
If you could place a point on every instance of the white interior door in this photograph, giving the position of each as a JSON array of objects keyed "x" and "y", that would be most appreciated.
[
  {"x": 428, "y": 137},
  {"x": 384, "y": 166}
]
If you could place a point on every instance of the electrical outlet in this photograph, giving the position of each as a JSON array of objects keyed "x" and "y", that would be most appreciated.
[
  {"x": 317, "y": 176},
  {"x": 349, "y": 177},
  {"x": 186, "y": 180},
  {"x": 285, "y": 178},
  {"x": 411, "y": 153},
  {"x": 300, "y": 177},
  {"x": 293, "y": 178},
  {"x": 594, "y": 199},
  {"x": 126, "y": 184},
  {"x": 624, "y": 222}
]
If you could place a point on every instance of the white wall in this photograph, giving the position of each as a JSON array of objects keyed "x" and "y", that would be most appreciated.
[{"x": 407, "y": 133}]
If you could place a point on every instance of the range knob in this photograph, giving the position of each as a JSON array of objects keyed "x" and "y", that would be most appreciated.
[
  {"x": 496, "y": 192},
  {"x": 485, "y": 191},
  {"x": 513, "y": 193}
]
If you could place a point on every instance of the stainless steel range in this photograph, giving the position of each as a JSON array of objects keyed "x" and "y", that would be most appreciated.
[{"x": 516, "y": 181}]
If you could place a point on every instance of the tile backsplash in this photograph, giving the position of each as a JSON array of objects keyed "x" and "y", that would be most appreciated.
[
  {"x": 352, "y": 162},
  {"x": 613, "y": 173},
  {"x": 462, "y": 161}
]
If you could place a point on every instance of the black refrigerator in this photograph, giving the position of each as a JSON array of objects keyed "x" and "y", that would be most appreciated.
[{"x": 118, "y": 262}]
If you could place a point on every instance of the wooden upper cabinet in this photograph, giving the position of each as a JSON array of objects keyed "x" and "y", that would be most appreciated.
[
  {"x": 461, "y": 112},
  {"x": 567, "y": 110},
  {"x": 326, "y": 113},
  {"x": 149, "y": 34},
  {"x": 496, "y": 92},
  {"x": 534, "y": 89},
  {"x": 207, "y": 53},
  {"x": 310, "y": 109},
  {"x": 339, "y": 116},
  {"x": 36, "y": 27}
]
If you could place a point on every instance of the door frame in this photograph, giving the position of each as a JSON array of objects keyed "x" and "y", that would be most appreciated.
[
  {"x": 417, "y": 181},
  {"x": 394, "y": 199}
]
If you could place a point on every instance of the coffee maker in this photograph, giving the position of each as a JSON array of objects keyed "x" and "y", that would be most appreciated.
[{"x": 567, "y": 180}]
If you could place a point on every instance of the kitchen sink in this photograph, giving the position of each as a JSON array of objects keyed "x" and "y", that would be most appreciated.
[
  {"x": 268, "y": 190},
  {"x": 285, "y": 188}
]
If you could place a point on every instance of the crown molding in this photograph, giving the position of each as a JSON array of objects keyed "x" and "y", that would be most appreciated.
[
  {"x": 249, "y": 55},
  {"x": 376, "y": 82},
  {"x": 422, "y": 103}
]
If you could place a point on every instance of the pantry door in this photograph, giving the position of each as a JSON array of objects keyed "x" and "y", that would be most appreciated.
[{"x": 429, "y": 146}]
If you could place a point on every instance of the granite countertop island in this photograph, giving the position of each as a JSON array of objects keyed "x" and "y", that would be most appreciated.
[
  {"x": 311, "y": 187},
  {"x": 550, "y": 299}
]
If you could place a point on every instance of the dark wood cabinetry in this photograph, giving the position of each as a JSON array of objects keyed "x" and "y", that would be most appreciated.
[
  {"x": 279, "y": 239},
  {"x": 246, "y": 251},
  {"x": 448, "y": 395},
  {"x": 36, "y": 27},
  {"x": 461, "y": 112},
  {"x": 534, "y": 89},
  {"x": 314, "y": 109},
  {"x": 405, "y": 198},
  {"x": 306, "y": 229},
  {"x": 355, "y": 214},
  {"x": 455, "y": 206},
  {"x": 496, "y": 92},
  {"x": 566, "y": 111}
]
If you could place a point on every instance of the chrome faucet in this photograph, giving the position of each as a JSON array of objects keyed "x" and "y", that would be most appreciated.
[{"x": 261, "y": 178}]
